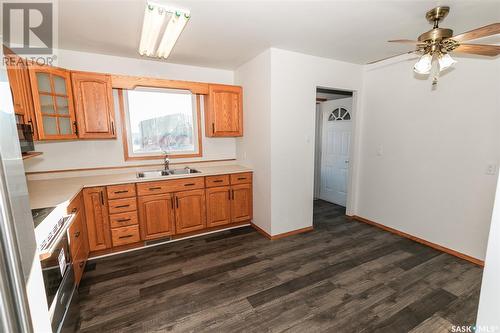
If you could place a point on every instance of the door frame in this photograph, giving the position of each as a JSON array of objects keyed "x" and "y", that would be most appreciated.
[{"x": 352, "y": 181}]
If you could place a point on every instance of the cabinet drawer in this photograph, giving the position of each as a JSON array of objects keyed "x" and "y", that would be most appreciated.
[
  {"x": 76, "y": 233},
  {"x": 174, "y": 185},
  {"x": 122, "y": 205},
  {"x": 241, "y": 178},
  {"x": 121, "y": 191},
  {"x": 214, "y": 181},
  {"x": 123, "y": 219},
  {"x": 125, "y": 235},
  {"x": 79, "y": 260}
]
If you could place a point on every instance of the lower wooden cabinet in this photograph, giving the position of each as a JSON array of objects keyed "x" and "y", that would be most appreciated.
[
  {"x": 218, "y": 206},
  {"x": 156, "y": 216},
  {"x": 77, "y": 235},
  {"x": 190, "y": 212},
  {"x": 96, "y": 211},
  {"x": 125, "y": 235},
  {"x": 241, "y": 203}
]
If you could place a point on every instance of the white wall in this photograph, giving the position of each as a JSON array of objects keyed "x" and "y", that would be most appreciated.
[
  {"x": 489, "y": 311},
  {"x": 294, "y": 79},
  {"x": 430, "y": 180},
  {"x": 101, "y": 153},
  {"x": 254, "y": 148}
]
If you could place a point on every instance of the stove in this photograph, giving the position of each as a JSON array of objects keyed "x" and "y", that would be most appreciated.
[{"x": 39, "y": 214}]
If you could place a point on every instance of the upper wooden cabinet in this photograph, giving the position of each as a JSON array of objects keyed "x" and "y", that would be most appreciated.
[
  {"x": 53, "y": 103},
  {"x": 96, "y": 212},
  {"x": 20, "y": 86},
  {"x": 94, "y": 108},
  {"x": 223, "y": 111}
]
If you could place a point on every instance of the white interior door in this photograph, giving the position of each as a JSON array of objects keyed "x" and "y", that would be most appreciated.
[{"x": 336, "y": 141}]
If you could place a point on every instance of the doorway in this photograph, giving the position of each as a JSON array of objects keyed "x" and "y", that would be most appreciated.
[{"x": 334, "y": 131}]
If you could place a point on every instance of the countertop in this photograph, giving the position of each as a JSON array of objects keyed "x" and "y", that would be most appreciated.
[{"x": 60, "y": 191}]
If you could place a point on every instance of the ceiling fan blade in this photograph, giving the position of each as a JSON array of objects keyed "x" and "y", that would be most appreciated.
[
  {"x": 487, "y": 30},
  {"x": 396, "y": 55},
  {"x": 405, "y": 41},
  {"x": 481, "y": 49}
]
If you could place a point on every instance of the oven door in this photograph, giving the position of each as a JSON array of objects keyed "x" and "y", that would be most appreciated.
[{"x": 59, "y": 280}]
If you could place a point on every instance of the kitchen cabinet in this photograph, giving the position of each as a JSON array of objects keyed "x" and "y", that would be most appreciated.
[
  {"x": 156, "y": 216},
  {"x": 218, "y": 206},
  {"x": 53, "y": 103},
  {"x": 241, "y": 203},
  {"x": 223, "y": 111},
  {"x": 19, "y": 81},
  {"x": 78, "y": 237},
  {"x": 95, "y": 114},
  {"x": 96, "y": 212},
  {"x": 190, "y": 211}
]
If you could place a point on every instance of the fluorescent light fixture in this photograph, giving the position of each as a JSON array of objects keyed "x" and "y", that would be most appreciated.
[
  {"x": 156, "y": 17},
  {"x": 172, "y": 33},
  {"x": 424, "y": 64},
  {"x": 446, "y": 61}
]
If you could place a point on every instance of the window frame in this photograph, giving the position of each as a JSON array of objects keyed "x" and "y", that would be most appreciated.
[{"x": 125, "y": 129}]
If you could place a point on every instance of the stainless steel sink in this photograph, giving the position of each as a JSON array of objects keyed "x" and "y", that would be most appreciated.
[{"x": 165, "y": 173}]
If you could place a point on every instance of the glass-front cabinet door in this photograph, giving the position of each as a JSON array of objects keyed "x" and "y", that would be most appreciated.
[{"x": 53, "y": 103}]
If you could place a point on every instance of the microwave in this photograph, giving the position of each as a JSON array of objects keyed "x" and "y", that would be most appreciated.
[{"x": 25, "y": 134}]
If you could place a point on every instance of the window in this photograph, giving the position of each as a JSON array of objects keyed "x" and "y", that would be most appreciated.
[
  {"x": 339, "y": 114},
  {"x": 160, "y": 121}
]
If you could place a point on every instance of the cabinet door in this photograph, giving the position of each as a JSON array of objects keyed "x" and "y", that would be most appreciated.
[
  {"x": 156, "y": 216},
  {"x": 241, "y": 203},
  {"x": 190, "y": 213},
  {"x": 224, "y": 111},
  {"x": 53, "y": 103},
  {"x": 218, "y": 206},
  {"x": 19, "y": 81},
  {"x": 96, "y": 212},
  {"x": 95, "y": 114}
]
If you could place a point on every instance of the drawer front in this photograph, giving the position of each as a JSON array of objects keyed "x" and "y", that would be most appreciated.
[
  {"x": 125, "y": 235},
  {"x": 123, "y": 219},
  {"x": 122, "y": 205},
  {"x": 76, "y": 233},
  {"x": 241, "y": 178},
  {"x": 79, "y": 261},
  {"x": 214, "y": 181},
  {"x": 121, "y": 191},
  {"x": 174, "y": 185}
]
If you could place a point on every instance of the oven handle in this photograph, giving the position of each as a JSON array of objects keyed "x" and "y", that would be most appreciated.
[{"x": 49, "y": 249}]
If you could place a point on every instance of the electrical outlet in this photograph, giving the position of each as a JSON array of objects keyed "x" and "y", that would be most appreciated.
[{"x": 492, "y": 169}]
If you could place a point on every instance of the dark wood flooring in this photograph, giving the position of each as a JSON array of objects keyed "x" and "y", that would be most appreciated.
[{"x": 345, "y": 276}]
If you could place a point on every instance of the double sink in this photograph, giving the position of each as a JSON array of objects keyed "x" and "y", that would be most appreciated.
[{"x": 165, "y": 173}]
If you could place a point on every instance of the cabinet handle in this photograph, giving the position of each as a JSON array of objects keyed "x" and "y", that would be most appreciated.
[
  {"x": 154, "y": 188},
  {"x": 189, "y": 184},
  {"x": 127, "y": 236},
  {"x": 172, "y": 203},
  {"x": 122, "y": 220},
  {"x": 77, "y": 234},
  {"x": 242, "y": 178},
  {"x": 74, "y": 210},
  {"x": 218, "y": 181},
  {"x": 113, "y": 128},
  {"x": 102, "y": 198},
  {"x": 122, "y": 206},
  {"x": 176, "y": 202},
  {"x": 32, "y": 127},
  {"x": 120, "y": 192},
  {"x": 232, "y": 191},
  {"x": 229, "y": 194},
  {"x": 213, "y": 128},
  {"x": 81, "y": 264},
  {"x": 76, "y": 127}
]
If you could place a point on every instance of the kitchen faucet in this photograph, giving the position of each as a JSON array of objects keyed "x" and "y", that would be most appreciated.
[{"x": 167, "y": 162}]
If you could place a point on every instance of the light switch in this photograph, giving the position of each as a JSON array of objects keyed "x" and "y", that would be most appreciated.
[
  {"x": 492, "y": 169},
  {"x": 380, "y": 150}
]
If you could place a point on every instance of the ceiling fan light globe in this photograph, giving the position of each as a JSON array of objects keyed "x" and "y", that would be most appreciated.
[
  {"x": 446, "y": 61},
  {"x": 423, "y": 65}
]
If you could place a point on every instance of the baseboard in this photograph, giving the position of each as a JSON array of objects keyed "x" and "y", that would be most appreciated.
[
  {"x": 285, "y": 234},
  {"x": 419, "y": 240}
]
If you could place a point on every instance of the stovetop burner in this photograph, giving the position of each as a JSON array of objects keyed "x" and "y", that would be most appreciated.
[{"x": 40, "y": 214}]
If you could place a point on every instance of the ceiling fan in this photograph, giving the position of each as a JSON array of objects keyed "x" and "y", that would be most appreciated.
[{"x": 436, "y": 44}]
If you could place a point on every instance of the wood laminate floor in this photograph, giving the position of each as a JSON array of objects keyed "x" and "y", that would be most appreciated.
[{"x": 344, "y": 276}]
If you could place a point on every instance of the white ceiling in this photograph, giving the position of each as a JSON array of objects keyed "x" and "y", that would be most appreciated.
[{"x": 225, "y": 34}]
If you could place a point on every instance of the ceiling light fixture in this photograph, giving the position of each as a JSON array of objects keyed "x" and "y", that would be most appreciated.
[
  {"x": 424, "y": 64},
  {"x": 160, "y": 21},
  {"x": 445, "y": 61}
]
